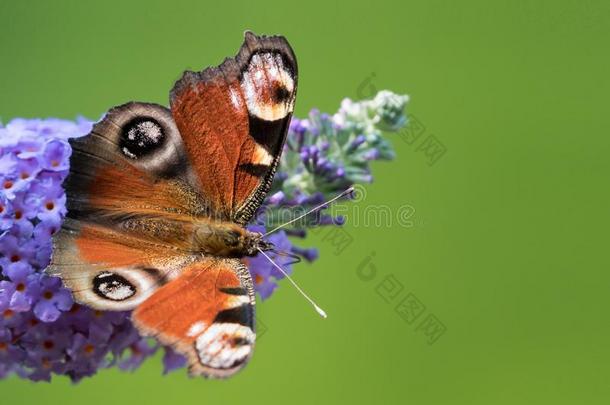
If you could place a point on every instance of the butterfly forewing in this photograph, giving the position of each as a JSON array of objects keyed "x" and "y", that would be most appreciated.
[{"x": 234, "y": 119}]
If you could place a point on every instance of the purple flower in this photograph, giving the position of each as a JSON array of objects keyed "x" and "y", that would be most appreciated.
[
  {"x": 49, "y": 128},
  {"x": 8, "y": 163},
  {"x": 9, "y": 353},
  {"x": 261, "y": 276},
  {"x": 172, "y": 360},
  {"x": 22, "y": 216},
  {"x": 264, "y": 273},
  {"x": 15, "y": 250},
  {"x": 277, "y": 198},
  {"x": 355, "y": 144},
  {"x": 372, "y": 154},
  {"x": 278, "y": 255},
  {"x": 52, "y": 299},
  {"x": 55, "y": 155},
  {"x": 45, "y": 346},
  {"x": 10, "y": 181},
  {"x": 51, "y": 204},
  {"x": 308, "y": 254},
  {"x": 6, "y": 214},
  {"x": 29, "y": 147},
  {"x": 139, "y": 351},
  {"x": 298, "y": 127},
  {"x": 16, "y": 293},
  {"x": 27, "y": 169}
]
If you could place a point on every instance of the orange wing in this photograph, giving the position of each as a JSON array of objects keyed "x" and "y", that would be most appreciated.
[
  {"x": 207, "y": 314},
  {"x": 233, "y": 119}
]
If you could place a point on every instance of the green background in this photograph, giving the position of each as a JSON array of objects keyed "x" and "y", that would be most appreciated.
[{"x": 508, "y": 243}]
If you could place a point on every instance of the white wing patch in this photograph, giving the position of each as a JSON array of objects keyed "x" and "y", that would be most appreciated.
[
  {"x": 196, "y": 329},
  {"x": 261, "y": 156},
  {"x": 223, "y": 345},
  {"x": 265, "y": 74}
]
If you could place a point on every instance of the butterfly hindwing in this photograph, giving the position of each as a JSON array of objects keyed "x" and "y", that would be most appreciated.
[
  {"x": 207, "y": 315},
  {"x": 234, "y": 119},
  {"x": 109, "y": 270}
]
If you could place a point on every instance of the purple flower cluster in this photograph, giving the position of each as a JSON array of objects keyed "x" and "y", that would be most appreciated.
[
  {"x": 43, "y": 332},
  {"x": 325, "y": 155}
]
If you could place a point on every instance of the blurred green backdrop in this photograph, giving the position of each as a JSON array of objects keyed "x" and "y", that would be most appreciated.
[{"x": 506, "y": 248}]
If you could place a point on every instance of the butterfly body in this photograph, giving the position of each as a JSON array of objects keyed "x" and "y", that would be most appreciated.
[
  {"x": 159, "y": 200},
  {"x": 227, "y": 240}
]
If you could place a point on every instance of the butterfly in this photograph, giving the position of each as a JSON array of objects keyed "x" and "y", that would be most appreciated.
[{"x": 158, "y": 201}]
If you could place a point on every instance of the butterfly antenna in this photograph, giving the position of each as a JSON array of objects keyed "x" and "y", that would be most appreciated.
[
  {"x": 318, "y": 309},
  {"x": 314, "y": 209}
]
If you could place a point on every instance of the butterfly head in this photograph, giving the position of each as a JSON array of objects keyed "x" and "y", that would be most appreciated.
[
  {"x": 263, "y": 244},
  {"x": 255, "y": 243}
]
